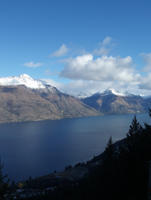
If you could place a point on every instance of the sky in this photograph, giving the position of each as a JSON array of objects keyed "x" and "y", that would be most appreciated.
[{"x": 79, "y": 46}]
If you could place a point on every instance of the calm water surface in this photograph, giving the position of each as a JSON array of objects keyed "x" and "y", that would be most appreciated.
[{"x": 38, "y": 148}]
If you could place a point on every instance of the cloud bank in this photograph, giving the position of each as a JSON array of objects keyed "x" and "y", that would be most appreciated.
[
  {"x": 104, "y": 68},
  {"x": 96, "y": 71}
]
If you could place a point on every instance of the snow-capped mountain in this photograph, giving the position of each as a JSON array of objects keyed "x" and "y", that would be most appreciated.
[
  {"x": 113, "y": 91},
  {"x": 29, "y": 82},
  {"x": 25, "y": 99},
  {"x": 107, "y": 92},
  {"x": 113, "y": 102},
  {"x": 23, "y": 79}
]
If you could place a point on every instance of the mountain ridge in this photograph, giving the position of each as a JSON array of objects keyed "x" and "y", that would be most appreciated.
[
  {"x": 19, "y": 103},
  {"x": 111, "y": 103},
  {"x": 28, "y": 81},
  {"x": 26, "y": 99},
  {"x": 23, "y": 79}
]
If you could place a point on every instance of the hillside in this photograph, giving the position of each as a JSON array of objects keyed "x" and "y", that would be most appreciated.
[
  {"x": 114, "y": 103},
  {"x": 23, "y": 98},
  {"x": 19, "y": 103}
]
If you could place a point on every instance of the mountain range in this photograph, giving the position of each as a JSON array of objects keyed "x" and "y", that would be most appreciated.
[
  {"x": 112, "y": 102},
  {"x": 26, "y": 99}
]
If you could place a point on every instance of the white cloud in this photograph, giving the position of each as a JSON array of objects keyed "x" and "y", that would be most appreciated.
[
  {"x": 92, "y": 72},
  {"x": 89, "y": 87},
  {"x": 105, "y": 47},
  {"x": 145, "y": 82},
  {"x": 53, "y": 83},
  {"x": 147, "y": 60},
  {"x": 101, "y": 51},
  {"x": 32, "y": 64},
  {"x": 104, "y": 68},
  {"x": 106, "y": 41},
  {"x": 84, "y": 87},
  {"x": 61, "y": 51}
]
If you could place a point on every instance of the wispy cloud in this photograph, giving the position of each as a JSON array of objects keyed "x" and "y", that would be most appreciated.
[
  {"x": 33, "y": 64},
  {"x": 53, "y": 83},
  {"x": 62, "y": 51},
  {"x": 105, "y": 47},
  {"x": 147, "y": 60},
  {"x": 107, "y": 40},
  {"x": 145, "y": 82}
]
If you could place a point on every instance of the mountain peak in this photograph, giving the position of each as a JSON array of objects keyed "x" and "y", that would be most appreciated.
[
  {"x": 23, "y": 79},
  {"x": 25, "y": 76},
  {"x": 113, "y": 91}
]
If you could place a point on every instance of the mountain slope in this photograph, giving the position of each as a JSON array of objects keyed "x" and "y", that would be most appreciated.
[
  {"x": 111, "y": 102},
  {"x": 19, "y": 103},
  {"x": 26, "y": 99}
]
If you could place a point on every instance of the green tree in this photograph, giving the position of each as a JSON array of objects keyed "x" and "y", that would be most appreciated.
[
  {"x": 109, "y": 148},
  {"x": 135, "y": 128},
  {"x": 109, "y": 151}
]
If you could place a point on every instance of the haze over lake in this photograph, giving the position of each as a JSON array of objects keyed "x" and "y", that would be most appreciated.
[{"x": 39, "y": 148}]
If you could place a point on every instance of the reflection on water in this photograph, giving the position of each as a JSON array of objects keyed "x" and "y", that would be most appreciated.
[{"x": 38, "y": 148}]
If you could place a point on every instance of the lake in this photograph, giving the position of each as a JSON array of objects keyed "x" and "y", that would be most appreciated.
[{"x": 39, "y": 148}]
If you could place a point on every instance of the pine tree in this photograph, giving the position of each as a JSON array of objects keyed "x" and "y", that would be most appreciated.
[
  {"x": 109, "y": 150},
  {"x": 148, "y": 126},
  {"x": 134, "y": 135},
  {"x": 135, "y": 128}
]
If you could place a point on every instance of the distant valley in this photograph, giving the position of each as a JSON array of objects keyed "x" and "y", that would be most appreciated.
[{"x": 25, "y": 99}]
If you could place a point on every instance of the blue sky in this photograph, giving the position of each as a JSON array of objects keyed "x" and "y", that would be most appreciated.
[{"x": 46, "y": 39}]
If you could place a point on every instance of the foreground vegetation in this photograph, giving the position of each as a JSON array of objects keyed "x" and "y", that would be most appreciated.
[{"x": 121, "y": 173}]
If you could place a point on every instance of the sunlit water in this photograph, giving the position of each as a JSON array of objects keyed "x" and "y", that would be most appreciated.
[{"x": 38, "y": 148}]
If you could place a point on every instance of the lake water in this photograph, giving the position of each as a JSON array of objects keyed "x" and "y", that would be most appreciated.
[{"x": 38, "y": 148}]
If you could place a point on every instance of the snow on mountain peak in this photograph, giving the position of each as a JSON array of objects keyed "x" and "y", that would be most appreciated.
[
  {"x": 25, "y": 76},
  {"x": 113, "y": 91},
  {"x": 23, "y": 79}
]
